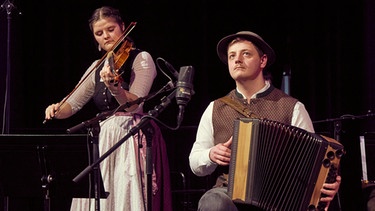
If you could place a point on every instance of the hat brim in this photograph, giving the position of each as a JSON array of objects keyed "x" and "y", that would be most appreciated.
[{"x": 222, "y": 46}]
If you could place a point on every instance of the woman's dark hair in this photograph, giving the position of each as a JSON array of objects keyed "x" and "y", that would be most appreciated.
[{"x": 105, "y": 12}]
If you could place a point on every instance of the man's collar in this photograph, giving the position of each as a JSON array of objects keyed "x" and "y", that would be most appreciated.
[{"x": 259, "y": 93}]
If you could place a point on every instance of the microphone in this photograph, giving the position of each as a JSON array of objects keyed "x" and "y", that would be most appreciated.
[
  {"x": 171, "y": 69},
  {"x": 184, "y": 89}
]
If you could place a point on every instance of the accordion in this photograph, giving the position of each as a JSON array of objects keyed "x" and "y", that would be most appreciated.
[{"x": 280, "y": 167}]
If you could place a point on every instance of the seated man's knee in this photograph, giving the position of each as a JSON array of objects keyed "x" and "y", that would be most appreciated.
[{"x": 216, "y": 199}]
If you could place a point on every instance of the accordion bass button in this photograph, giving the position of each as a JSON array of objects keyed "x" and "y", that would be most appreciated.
[
  {"x": 326, "y": 163},
  {"x": 311, "y": 208},
  {"x": 339, "y": 153},
  {"x": 331, "y": 155}
]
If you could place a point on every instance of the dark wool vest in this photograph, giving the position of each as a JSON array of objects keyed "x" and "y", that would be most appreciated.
[
  {"x": 272, "y": 104},
  {"x": 103, "y": 99}
]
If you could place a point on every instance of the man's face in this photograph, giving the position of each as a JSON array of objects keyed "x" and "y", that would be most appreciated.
[{"x": 244, "y": 61}]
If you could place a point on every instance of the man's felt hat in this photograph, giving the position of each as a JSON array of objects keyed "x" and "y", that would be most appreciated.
[{"x": 222, "y": 46}]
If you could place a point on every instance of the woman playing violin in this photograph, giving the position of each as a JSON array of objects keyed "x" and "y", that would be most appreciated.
[{"x": 123, "y": 171}]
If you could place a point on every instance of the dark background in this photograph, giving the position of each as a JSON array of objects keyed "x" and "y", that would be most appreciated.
[{"x": 328, "y": 46}]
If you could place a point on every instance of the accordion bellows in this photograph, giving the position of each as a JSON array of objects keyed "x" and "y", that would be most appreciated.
[{"x": 280, "y": 167}]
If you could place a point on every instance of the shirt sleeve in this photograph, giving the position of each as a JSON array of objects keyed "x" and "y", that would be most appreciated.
[
  {"x": 143, "y": 74},
  {"x": 84, "y": 89},
  {"x": 301, "y": 118},
  {"x": 199, "y": 160}
]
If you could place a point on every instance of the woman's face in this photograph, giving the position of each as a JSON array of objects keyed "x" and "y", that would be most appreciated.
[{"x": 107, "y": 31}]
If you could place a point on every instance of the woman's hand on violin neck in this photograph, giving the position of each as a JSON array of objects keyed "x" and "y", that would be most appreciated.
[
  {"x": 106, "y": 74},
  {"x": 110, "y": 80}
]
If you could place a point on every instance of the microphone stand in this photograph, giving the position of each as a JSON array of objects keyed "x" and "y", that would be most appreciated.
[
  {"x": 47, "y": 177},
  {"x": 94, "y": 133},
  {"x": 337, "y": 122},
  {"x": 148, "y": 130},
  {"x": 94, "y": 130},
  {"x": 8, "y": 6},
  {"x": 352, "y": 117},
  {"x": 142, "y": 125},
  {"x": 104, "y": 115}
]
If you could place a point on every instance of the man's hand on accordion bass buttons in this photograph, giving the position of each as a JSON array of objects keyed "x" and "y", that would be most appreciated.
[
  {"x": 220, "y": 153},
  {"x": 330, "y": 190}
]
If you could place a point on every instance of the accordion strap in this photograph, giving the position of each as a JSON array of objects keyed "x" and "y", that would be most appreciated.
[{"x": 237, "y": 106}]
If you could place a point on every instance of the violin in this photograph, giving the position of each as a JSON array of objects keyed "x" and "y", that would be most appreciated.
[
  {"x": 115, "y": 57},
  {"x": 116, "y": 60}
]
